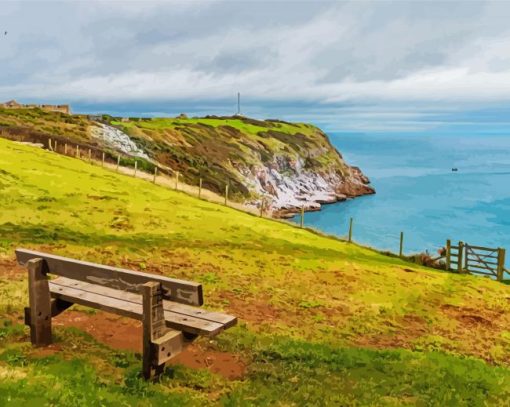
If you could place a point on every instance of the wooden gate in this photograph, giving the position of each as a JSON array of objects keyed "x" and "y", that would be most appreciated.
[{"x": 465, "y": 258}]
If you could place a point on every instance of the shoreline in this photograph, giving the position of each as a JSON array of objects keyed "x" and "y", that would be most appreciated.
[{"x": 288, "y": 213}]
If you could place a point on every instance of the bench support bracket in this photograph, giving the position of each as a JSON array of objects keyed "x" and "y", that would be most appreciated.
[
  {"x": 57, "y": 307},
  {"x": 159, "y": 343}
]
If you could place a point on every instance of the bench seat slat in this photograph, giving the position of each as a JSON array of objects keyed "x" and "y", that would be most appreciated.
[
  {"x": 225, "y": 320},
  {"x": 133, "y": 310}
]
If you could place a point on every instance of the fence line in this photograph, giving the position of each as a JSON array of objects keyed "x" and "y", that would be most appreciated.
[{"x": 158, "y": 177}]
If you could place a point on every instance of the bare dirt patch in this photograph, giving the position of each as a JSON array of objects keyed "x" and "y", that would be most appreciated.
[
  {"x": 257, "y": 310},
  {"x": 112, "y": 330},
  {"x": 10, "y": 268},
  {"x": 476, "y": 329},
  {"x": 228, "y": 365},
  {"x": 410, "y": 327},
  {"x": 472, "y": 317},
  {"x": 123, "y": 333}
]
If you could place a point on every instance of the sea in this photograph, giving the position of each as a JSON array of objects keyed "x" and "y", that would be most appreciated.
[{"x": 418, "y": 192}]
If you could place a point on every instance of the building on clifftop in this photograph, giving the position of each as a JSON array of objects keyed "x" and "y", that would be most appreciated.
[{"x": 12, "y": 104}]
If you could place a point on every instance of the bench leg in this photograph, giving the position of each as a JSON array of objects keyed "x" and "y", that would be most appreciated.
[
  {"x": 40, "y": 303},
  {"x": 153, "y": 324},
  {"x": 159, "y": 343}
]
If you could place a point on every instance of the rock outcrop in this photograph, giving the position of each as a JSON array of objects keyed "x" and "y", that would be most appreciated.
[
  {"x": 285, "y": 186},
  {"x": 116, "y": 139}
]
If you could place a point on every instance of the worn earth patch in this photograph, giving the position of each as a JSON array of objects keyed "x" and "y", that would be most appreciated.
[
  {"x": 10, "y": 268},
  {"x": 256, "y": 310},
  {"x": 409, "y": 328},
  {"x": 124, "y": 333}
]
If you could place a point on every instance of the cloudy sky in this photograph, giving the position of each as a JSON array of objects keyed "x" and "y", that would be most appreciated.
[{"x": 348, "y": 66}]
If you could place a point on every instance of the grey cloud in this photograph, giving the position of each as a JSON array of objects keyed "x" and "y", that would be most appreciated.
[{"x": 306, "y": 54}]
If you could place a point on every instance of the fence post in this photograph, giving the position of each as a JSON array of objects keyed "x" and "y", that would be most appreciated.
[
  {"x": 350, "y": 230},
  {"x": 77, "y": 151},
  {"x": 56, "y": 146},
  {"x": 65, "y": 148},
  {"x": 118, "y": 163},
  {"x": 102, "y": 160},
  {"x": 176, "y": 180},
  {"x": 461, "y": 257},
  {"x": 155, "y": 175},
  {"x": 501, "y": 263},
  {"x": 90, "y": 156},
  {"x": 136, "y": 167},
  {"x": 401, "y": 251},
  {"x": 226, "y": 195},
  {"x": 200, "y": 188},
  {"x": 448, "y": 254},
  {"x": 302, "y": 216},
  {"x": 49, "y": 144}
]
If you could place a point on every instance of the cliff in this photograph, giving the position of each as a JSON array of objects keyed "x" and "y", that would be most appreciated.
[{"x": 283, "y": 166}]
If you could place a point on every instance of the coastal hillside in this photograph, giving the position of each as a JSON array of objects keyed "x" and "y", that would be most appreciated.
[
  {"x": 321, "y": 321},
  {"x": 283, "y": 166}
]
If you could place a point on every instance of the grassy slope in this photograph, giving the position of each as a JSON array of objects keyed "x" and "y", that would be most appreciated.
[
  {"x": 40, "y": 122},
  {"x": 315, "y": 312}
]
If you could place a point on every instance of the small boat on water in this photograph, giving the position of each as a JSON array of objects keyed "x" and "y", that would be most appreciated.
[{"x": 455, "y": 169}]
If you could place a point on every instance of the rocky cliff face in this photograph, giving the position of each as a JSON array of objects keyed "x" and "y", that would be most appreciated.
[
  {"x": 286, "y": 188},
  {"x": 116, "y": 139},
  {"x": 283, "y": 166},
  {"x": 285, "y": 185}
]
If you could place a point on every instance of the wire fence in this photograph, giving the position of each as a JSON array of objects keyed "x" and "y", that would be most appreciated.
[{"x": 435, "y": 255}]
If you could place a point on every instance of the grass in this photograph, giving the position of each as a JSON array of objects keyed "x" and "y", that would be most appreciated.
[
  {"x": 282, "y": 372},
  {"x": 322, "y": 321},
  {"x": 315, "y": 374}
]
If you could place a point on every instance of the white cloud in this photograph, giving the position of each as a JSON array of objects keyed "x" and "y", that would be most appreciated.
[{"x": 313, "y": 53}]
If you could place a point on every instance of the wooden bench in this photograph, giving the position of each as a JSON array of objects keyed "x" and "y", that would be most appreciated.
[{"x": 166, "y": 306}]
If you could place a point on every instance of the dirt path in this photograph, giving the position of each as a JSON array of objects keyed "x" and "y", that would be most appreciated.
[{"x": 126, "y": 334}]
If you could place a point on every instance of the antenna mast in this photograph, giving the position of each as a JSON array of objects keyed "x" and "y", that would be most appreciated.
[{"x": 238, "y": 103}]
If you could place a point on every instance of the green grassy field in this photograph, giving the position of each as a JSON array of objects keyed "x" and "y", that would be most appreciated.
[{"x": 322, "y": 322}]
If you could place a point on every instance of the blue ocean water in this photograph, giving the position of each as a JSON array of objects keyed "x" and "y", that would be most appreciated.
[{"x": 418, "y": 193}]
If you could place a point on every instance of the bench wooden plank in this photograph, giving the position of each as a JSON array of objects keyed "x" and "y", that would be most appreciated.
[
  {"x": 226, "y": 320},
  {"x": 175, "y": 290},
  {"x": 133, "y": 310}
]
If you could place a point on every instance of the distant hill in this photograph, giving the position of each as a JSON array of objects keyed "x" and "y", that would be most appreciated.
[{"x": 284, "y": 165}]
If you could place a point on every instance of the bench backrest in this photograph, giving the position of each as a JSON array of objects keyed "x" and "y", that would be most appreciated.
[{"x": 181, "y": 291}]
